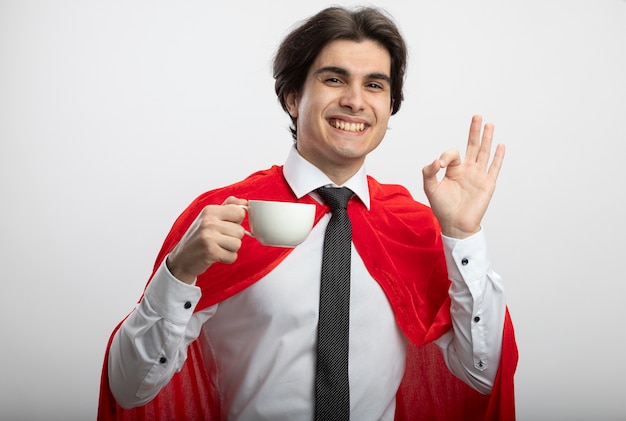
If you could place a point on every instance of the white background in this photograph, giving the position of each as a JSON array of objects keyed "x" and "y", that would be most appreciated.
[{"x": 115, "y": 115}]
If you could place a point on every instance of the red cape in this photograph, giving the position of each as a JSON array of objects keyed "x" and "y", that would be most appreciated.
[{"x": 399, "y": 241}]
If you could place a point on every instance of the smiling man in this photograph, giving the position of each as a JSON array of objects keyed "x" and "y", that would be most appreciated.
[
  {"x": 230, "y": 329},
  {"x": 344, "y": 106}
]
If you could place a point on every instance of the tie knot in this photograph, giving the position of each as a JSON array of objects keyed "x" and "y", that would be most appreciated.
[{"x": 336, "y": 198}]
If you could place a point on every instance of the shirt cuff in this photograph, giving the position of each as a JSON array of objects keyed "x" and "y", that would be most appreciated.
[
  {"x": 467, "y": 259},
  {"x": 171, "y": 298}
]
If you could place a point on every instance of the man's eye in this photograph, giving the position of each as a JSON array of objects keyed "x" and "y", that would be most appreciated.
[
  {"x": 375, "y": 86},
  {"x": 333, "y": 80}
]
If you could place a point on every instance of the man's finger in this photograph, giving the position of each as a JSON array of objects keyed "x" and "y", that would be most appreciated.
[
  {"x": 473, "y": 140},
  {"x": 485, "y": 146},
  {"x": 496, "y": 165}
]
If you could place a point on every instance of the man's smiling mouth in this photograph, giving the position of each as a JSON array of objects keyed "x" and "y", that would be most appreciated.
[{"x": 347, "y": 126}]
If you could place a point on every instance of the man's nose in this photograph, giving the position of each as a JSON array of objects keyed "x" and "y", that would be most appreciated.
[{"x": 353, "y": 98}]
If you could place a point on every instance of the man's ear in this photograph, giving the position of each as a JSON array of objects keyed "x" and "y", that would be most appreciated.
[{"x": 291, "y": 102}]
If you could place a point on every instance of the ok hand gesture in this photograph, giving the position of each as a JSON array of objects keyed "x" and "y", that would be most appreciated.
[{"x": 460, "y": 199}]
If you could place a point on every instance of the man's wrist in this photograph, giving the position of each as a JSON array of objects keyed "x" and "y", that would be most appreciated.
[
  {"x": 180, "y": 275},
  {"x": 459, "y": 234},
  {"x": 467, "y": 259}
]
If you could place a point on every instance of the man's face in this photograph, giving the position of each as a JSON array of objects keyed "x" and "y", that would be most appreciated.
[{"x": 344, "y": 107}]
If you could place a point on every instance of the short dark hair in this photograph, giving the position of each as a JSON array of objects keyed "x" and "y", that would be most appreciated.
[{"x": 300, "y": 48}]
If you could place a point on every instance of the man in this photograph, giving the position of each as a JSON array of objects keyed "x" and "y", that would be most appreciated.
[{"x": 227, "y": 328}]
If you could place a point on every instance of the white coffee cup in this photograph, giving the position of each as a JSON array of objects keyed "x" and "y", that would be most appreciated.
[{"x": 280, "y": 224}]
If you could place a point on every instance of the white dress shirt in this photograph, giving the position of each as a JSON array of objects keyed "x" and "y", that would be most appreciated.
[{"x": 261, "y": 342}]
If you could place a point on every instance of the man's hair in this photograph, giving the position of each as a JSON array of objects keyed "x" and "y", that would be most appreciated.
[{"x": 301, "y": 47}]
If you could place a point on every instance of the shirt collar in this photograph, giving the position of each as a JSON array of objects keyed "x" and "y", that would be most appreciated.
[{"x": 304, "y": 177}]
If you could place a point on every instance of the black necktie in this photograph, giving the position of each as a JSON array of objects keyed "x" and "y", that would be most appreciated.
[{"x": 332, "y": 389}]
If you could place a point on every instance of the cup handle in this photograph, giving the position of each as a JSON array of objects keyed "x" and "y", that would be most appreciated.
[{"x": 248, "y": 233}]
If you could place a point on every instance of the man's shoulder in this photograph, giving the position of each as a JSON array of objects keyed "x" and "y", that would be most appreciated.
[
  {"x": 392, "y": 194},
  {"x": 393, "y": 204},
  {"x": 255, "y": 185}
]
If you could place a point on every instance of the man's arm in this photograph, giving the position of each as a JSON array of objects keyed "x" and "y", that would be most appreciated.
[
  {"x": 151, "y": 344},
  {"x": 473, "y": 347},
  {"x": 459, "y": 200}
]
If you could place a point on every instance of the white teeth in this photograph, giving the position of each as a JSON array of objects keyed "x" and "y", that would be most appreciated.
[{"x": 349, "y": 127}]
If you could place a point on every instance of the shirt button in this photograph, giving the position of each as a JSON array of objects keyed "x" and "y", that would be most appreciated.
[
  {"x": 162, "y": 360},
  {"x": 464, "y": 261},
  {"x": 187, "y": 305},
  {"x": 477, "y": 319}
]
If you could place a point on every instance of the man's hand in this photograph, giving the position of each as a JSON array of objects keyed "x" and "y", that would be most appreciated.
[
  {"x": 215, "y": 236},
  {"x": 461, "y": 198}
]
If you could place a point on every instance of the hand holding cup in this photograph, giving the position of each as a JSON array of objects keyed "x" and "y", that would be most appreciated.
[{"x": 214, "y": 236}]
